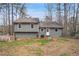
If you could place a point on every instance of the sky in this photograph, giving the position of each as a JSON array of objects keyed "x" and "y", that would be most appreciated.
[
  {"x": 39, "y": 10},
  {"x": 36, "y": 10}
]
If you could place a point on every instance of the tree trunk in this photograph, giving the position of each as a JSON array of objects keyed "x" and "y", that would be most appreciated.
[
  {"x": 6, "y": 20},
  {"x": 59, "y": 14},
  {"x": 77, "y": 12},
  {"x": 12, "y": 20},
  {"x": 65, "y": 19},
  {"x": 49, "y": 11},
  {"x": 74, "y": 21},
  {"x": 9, "y": 18}
]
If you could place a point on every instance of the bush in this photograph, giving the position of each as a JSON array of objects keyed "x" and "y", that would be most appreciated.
[
  {"x": 76, "y": 36},
  {"x": 42, "y": 36},
  {"x": 72, "y": 33}
]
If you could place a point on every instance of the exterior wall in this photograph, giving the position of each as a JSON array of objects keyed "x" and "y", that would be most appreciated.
[
  {"x": 26, "y": 35},
  {"x": 42, "y": 32},
  {"x": 26, "y": 28},
  {"x": 52, "y": 32},
  {"x": 56, "y": 33},
  {"x": 27, "y": 32}
]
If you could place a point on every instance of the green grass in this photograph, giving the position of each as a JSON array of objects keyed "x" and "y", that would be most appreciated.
[
  {"x": 42, "y": 42},
  {"x": 8, "y": 47},
  {"x": 21, "y": 43}
]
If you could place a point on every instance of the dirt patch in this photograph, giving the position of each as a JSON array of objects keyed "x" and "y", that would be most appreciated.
[
  {"x": 61, "y": 47},
  {"x": 57, "y": 48}
]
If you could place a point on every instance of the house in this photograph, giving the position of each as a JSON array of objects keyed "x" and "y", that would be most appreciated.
[
  {"x": 31, "y": 27},
  {"x": 53, "y": 28},
  {"x": 26, "y": 27}
]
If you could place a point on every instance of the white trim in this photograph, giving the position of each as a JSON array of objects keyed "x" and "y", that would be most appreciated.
[{"x": 47, "y": 32}]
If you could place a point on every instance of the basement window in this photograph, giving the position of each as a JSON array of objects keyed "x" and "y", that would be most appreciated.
[
  {"x": 47, "y": 30},
  {"x": 56, "y": 29},
  {"x": 41, "y": 29},
  {"x": 19, "y": 25},
  {"x": 31, "y": 25}
]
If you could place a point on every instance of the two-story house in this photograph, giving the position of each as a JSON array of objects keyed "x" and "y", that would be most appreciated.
[
  {"x": 26, "y": 27},
  {"x": 32, "y": 28}
]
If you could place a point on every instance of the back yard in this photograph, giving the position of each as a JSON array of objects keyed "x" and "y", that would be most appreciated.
[{"x": 40, "y": 47}]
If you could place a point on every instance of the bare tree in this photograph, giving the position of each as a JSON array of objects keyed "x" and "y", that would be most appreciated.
[
  {"x": 59, "y": 14},
  {"x": 9, "y": 10},
  {"x": 12, "y": 5},
  {"x": 49, "y": 7},
  {"x": 76, "y": 21},
  {"x": 4, "y": 15},
  {"x": 65, "y": 19},
  {"x": 8, "y": 7}
]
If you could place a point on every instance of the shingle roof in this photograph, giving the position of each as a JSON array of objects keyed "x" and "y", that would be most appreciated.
[
  {"x": 43, "y": 24},
  {"x": 50, "y": 25},
  {"x": 27, "y": 20}
]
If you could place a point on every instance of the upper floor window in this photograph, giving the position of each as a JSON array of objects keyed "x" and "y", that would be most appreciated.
[
  {"x": 47, "y": 30},
  {"x": 19, "y": 25},
  {"x": 32, "y": 26}
]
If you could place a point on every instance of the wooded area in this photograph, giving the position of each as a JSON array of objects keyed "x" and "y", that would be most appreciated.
[
  {"x": 62, "y": 39},
  {"x": 9, "y": 13},
  {"x": 66, "y": 15}
]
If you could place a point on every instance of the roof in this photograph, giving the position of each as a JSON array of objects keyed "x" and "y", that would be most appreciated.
[
  {"x": 50, "y": 25},
  {"x": 27, "y": 20}
]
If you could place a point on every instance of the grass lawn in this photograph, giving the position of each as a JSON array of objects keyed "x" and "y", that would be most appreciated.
[
  {"x": 20, "y": 43},
  {"x": 60, "y": 47},
  {"x": 7, "y": 47}
]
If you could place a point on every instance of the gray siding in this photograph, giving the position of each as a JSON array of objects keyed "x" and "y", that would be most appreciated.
[
  {"x": 26, "y": 35},
  {"x": 27, "y": 32},
  {"x": 56, "y": 33},
  {"x": 52, "y": 32},
  {"x": 26, "y": 28},
  {"x": 42, "y": 32}
]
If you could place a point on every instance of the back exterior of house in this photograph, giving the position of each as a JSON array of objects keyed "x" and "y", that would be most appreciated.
[
  {"x": 32, "y": 28},
  {"x": 52, "y": 28},
  {"x": 27, "y": 27}
]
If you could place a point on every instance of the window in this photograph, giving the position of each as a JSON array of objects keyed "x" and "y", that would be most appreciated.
[
  {"x": 19, "y": 25},
  {"x": 41, "y": 29},
  {"x": 47, "y": 30},
  {"x": 31, "y": 25},
  {"x": 56, "y": 30}
]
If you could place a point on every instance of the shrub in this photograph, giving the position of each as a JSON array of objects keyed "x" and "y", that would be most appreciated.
[{"x": 76, "y": 36}]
